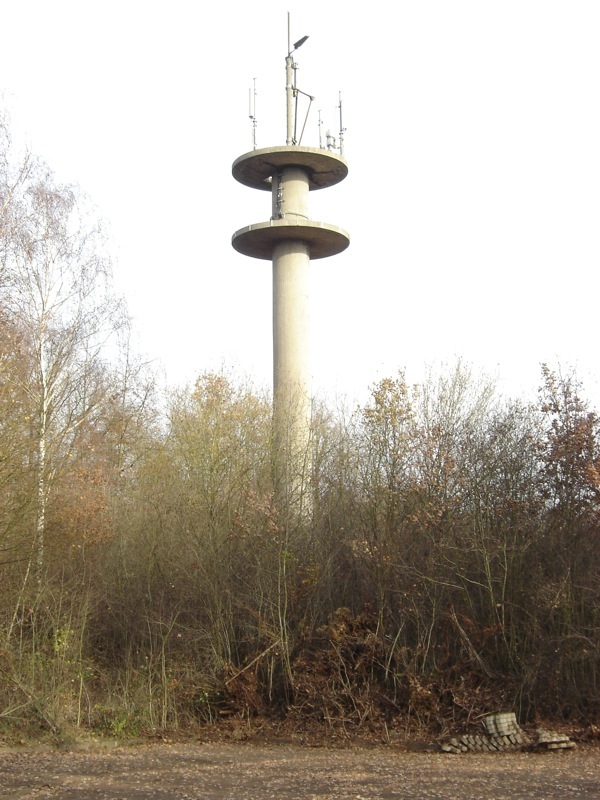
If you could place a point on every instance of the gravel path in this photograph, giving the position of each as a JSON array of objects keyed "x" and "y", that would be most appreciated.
[{"x": 260, "y": 772}]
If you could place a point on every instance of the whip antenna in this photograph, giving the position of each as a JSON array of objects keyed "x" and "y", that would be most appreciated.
[
  {"x": 252, "y": 111},
  {"x": 342, "y": 129}
]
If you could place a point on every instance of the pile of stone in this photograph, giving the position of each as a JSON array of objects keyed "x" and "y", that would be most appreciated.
[
  {"x": 551, "y": 740},
  {"x": 503, "y": 733},
  {"x": 481, "y": 744},
  {"x": 504, "y": 724}
]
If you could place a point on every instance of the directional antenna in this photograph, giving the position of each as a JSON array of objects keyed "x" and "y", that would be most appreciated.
[{"x": 299, "y": 43}]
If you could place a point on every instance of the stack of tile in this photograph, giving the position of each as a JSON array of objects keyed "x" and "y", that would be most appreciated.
[
  {"x": 504, "y": 724},
  {"x": 550, "y": 740},
  {"x": 503, "y": 733},
  {"x": 482, "y": 744}
]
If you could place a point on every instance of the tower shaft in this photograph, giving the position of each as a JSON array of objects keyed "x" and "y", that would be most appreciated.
[{"x": 291, "y": 373}]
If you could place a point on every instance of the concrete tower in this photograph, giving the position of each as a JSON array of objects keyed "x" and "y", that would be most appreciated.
[{"x": 291, "y": 240}]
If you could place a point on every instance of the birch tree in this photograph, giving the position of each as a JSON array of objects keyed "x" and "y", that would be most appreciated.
[{"x": 57, "y": 290}]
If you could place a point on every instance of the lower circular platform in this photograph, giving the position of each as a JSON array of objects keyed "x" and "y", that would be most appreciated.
[{"x": 258, "y": 240}]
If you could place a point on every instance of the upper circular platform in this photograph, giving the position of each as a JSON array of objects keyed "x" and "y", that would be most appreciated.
[
  {"x": 255, "y": 169},
  {"x": 259, "y": 240}
]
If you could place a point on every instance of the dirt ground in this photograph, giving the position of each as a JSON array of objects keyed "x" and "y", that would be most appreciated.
[{"x": 211, "y": 771}]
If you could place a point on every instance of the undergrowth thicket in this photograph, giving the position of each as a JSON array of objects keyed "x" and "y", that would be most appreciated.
[{"x": 449, "y": 567}]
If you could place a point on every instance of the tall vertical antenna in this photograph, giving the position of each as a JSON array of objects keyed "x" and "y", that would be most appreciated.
[
  {"x": 252, "y": 111},
  {"x": 342, "y": 129},
  {"x": 291, "y": 90}
]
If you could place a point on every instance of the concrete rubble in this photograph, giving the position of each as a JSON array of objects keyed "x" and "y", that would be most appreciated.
[{"x": 502, "y": 734}]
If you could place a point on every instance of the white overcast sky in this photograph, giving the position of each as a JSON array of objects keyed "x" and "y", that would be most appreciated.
[{"x": 472, "y": 202}]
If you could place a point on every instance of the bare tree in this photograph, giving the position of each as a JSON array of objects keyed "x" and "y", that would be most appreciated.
[{"x": 57, "y": 290}]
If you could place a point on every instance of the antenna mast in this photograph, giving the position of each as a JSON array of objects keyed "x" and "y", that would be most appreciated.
[
  {"x": 342, "y": 129},
  {"x": 252, "y": 111},
  {"x": 291, "y": 90}
]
